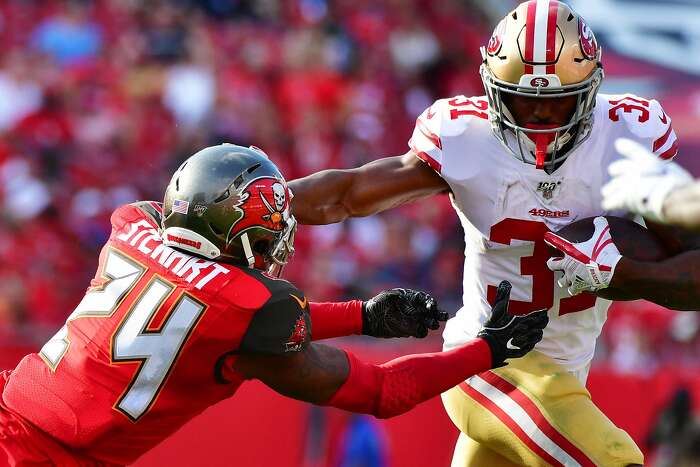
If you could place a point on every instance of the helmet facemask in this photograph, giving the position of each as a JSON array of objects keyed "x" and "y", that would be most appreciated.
[
  {"x": 522, "y": 142},
  {"x": 282, "y": 249},
  {"x": 270, "y": 251}
]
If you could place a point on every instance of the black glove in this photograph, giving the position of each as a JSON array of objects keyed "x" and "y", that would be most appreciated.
[
  {"x": 511, "y": 336},
  {"x": 401, "y": 313}
]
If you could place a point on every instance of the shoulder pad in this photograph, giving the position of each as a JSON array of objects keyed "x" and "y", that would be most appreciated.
[
  {"x": 445, "y": 118},
  {"x": 644, "y": 120},
  {"x": 148, "y": 211},
  {"x": 152, "y": 209},
  {"x": 281, "y": 325}
]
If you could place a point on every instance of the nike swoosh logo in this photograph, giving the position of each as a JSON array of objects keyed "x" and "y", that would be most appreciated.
[
  {"x": 302, "y": 303},
  {"x": 510, "y": 346},
  {"x": 663, "y": 119},
  {"x": 430, "y": 114}
]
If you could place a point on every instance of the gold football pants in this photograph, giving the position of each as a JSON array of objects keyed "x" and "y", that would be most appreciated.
[{"x": 533, "y": 412}]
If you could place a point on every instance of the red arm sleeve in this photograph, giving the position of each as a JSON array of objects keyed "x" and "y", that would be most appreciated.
[
  {"x": 399, "y": 385},
  {"x": 335, "y": 319}
]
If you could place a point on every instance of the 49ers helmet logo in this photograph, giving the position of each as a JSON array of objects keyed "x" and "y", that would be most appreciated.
[
  {"x": 589, "y": 46},
  {"x": 496, "y": 41},
  {"x": 264, "y": 202},
  {"x": 539, "y": 82}
]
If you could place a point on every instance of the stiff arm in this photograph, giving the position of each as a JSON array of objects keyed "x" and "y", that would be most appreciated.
[{"x": 334, "y": 195}]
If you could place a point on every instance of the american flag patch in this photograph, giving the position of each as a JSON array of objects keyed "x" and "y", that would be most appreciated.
[{"x": 181, "y": 206}]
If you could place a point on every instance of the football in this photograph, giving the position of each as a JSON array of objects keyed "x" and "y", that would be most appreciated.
[{"x": 633, "y": 240}]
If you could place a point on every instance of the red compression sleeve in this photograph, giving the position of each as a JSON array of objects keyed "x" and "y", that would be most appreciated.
[
  {"x": 397, "y": 386},
  {"x": 335, "y": 319}
]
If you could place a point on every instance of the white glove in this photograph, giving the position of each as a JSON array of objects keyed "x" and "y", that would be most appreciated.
[
  {"x": 642, "y": 181},
  {"x": 587, "y": 266}
]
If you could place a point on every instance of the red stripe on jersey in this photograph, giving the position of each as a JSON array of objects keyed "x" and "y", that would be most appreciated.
[
  {"x": 425, "y": 157},
  {"x": 489, "y": 405},
  {"x": 644, "y": 102},
  {"x": 552, "y": 36},
  {"x": 671, "y": 153},
  {"x": 432, "y": 137},
  {"x": 661, "y": 141},
  {"x": 537, "y": 416},
  {"x": 530, "y": 35}
]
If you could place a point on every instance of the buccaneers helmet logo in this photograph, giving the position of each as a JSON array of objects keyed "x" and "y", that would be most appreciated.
[
  {"x": 280, "y": 197},
  {"x": 264, "y": 202}
]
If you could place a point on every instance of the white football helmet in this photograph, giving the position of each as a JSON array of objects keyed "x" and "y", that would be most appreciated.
[{"x": 542, "y": 49}]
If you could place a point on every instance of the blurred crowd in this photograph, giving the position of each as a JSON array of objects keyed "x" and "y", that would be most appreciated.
[{"x": 100, "y": 101}]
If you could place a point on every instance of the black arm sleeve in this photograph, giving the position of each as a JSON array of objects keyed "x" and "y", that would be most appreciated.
[{"x": 281, "y": 325}]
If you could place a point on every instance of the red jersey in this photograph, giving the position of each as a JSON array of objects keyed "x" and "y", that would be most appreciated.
[{"x": 152, "y": 343}]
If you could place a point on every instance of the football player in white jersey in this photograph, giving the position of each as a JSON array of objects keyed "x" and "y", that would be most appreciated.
[{"x": 527, "y": 158}]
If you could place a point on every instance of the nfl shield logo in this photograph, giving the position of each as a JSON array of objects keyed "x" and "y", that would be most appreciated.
[{"x": 547, "y": 189}]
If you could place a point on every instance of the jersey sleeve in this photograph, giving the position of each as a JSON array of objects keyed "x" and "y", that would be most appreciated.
[
  {"x": 664, "y": 141},
  {"x": 281, "y": 325},
  {"x": 436, "y": 136},
  {"x": 425, "y": 140},
  {"x": 646, "y": 122}
]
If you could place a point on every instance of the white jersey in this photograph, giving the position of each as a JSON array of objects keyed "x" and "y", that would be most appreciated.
[{"x": 506, "y": 206}]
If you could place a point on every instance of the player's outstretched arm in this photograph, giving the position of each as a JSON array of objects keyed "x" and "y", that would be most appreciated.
[
  {"x": 391, "y": 313},
  {"x": 333, "y": 195},
  {"x": 328, "y": 376}
]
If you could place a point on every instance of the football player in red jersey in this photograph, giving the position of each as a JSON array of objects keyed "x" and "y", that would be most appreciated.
[{"x": 183, "y": 299}]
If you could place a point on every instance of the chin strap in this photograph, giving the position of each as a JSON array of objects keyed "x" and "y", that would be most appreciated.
[{"x": 248, "y": 250}]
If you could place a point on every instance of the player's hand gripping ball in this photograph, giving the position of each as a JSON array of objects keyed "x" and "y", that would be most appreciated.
[
  {"x": 592, "y": 248},
  {"x": 587, "y": 266},
  {"x": 511, "y": 336},
  {"x": 401, "y": 313}
]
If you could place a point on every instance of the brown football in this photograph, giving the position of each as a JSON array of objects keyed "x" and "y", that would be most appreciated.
[{"x": 632, "y": 239}]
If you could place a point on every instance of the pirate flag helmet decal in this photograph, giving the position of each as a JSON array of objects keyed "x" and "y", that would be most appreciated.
[{"x": 231, "y": 204}]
